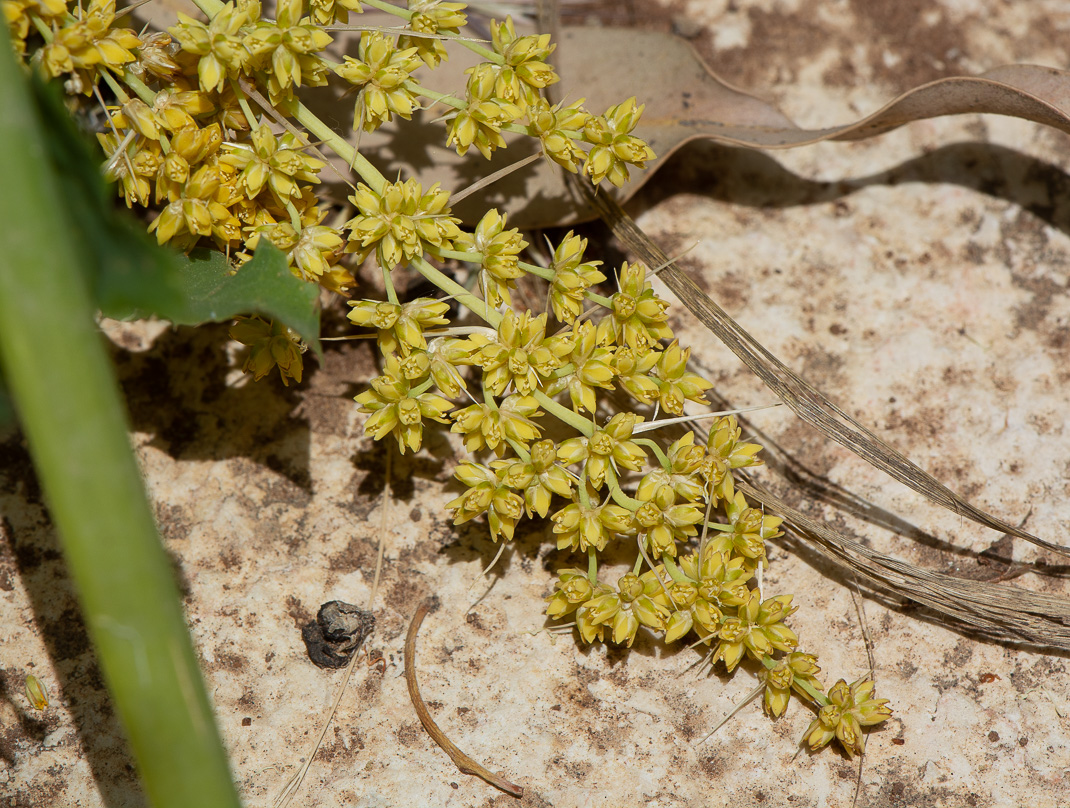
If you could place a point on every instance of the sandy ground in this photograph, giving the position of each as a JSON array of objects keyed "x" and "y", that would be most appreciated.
[{"x": 919, "y": 279}]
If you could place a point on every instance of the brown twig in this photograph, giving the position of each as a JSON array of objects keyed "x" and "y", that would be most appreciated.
[{"x": 464, "y": 763}]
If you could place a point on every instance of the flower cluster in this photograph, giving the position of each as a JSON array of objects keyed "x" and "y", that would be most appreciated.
[{"x": 205, "y": 131}]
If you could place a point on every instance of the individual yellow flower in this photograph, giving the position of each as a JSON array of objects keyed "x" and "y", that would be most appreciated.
[
  {"x": 639, "y": 316},
  {"x": 487, "y": 493},
  {"x": 132, "y": 162},
  {"x": 636, "y": 601},
  {"x": 196, "y": 212},
  {"x": 675, "y": 382},
  {"x": 632, "y": 368},
  {"x": 850, "y": 708},
  {"x": 521, "y": 354},
  {"x": 611, "y": 443},
  {"x": 588, "y": 367},
  {"x": 499, "y": 250},
  {"x": 789, "y": 673},
  {"x": 380, "y": 72},
  {"x": 217, "y": 44},
  {"x": 286, "y": 49},
  {"x": 310, "y": 251},
  {"x": 277, "y": 163},
  {"x": 613, "y": 147},
  {"x": 579, "y": 527},
  {"x": 572, "y": 277},
  {"x": 554, "y": 126},
  {"x": 397, "y": 408},
  {"x": 325, "y": 12},
  {"x": 400, "y": 223},
  {"x": 525, "y": 71},
  {"x": 491, "y": 426},
  {"x": 745, "y": 532},
  {"x": 431, "y": 17},
  {"x": 480, "y": 123},
  {"x": 756, "y": 629},
  {"x": 666, "y": 522},
  {"x": 400, "y": 326},
  {"x": 539, "y": 478},
  {"x": 270, "y": 344},
  {"x": 86, "y": 45},
  {"x": 572, "y": 589}
]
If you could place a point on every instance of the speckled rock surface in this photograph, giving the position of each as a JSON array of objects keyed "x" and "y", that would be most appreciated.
[{"x": 919, "y": 279}]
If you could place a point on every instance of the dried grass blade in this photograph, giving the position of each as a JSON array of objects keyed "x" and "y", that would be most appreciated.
[
  {"x": 999, "y": 611},
  {"x": 805, "y": 400}
]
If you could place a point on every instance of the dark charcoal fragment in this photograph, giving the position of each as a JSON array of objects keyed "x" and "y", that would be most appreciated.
[{"x": 336, "y": 633}]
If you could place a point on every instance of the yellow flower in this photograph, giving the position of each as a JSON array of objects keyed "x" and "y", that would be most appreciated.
[
  {"x": 276, "y": 163},
  {"x": 270, "y": 344},
  {"x": 218, "y": 45},
  {"x": 499, "y": 250},
  {"x": 400, "y": 223},
  {"x": 613, "y": 145},
  {"x": 397, "y": 408},
  {"x": 432, "y": 17},
  {"x": 380, "y": 72},
  {"x": 521, "y": 354}
]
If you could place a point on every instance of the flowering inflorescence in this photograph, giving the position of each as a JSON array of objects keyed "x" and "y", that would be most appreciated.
[{"x": 182, "y": 140}]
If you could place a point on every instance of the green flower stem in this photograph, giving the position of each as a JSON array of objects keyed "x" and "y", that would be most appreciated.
[
  {"x": 638, "y": 565},
  {"x": 369, "y": 173},
  {"x": 243, "y": 102},
  {"x": 391, "y": 292},
  {"x": 73, "y": 418},
  {"x": 581, "y": 489},
  {"x": 120, "y": 94},
  {"x": 423, "y": 388},
  {"x": 406, "y": 15},
  {"x": 618, "y": 494},
  {"x": 674, "y": 571},
  {"x": 453, "y": 101},
  {"x": 457, "y": 255},
  {"x": 458, "y": 292},
  {"x": 592, "y": 565},
  {"x": 577, "y": 422},
  {"x": 537, "y": 271},
  {"x": 141, "y": 90},
  {"x": 662, "y": 459},
  {"x": 521, "y": 452}
]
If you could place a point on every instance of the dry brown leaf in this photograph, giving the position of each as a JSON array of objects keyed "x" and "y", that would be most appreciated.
[{"x": 685, "y": 101}]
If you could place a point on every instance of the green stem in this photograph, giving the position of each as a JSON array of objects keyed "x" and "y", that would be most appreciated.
[
  {"x": 453, "y": 101},
  {"x": 660, "y": 455},
  {"x": 592, "y": 565},
  {"x": 618, "y": 494},
  {"x": 73, "y": 417},
  {"x": 521, "y": 452},
  {"x": 391, "y": 292},
  {"x": 458, "y": 292},
  {"x": 536, "y": 270},
  {"x": 369, "y": 173},
  {"x": 674, "y": 571},
  {"x": 581, "y": 489},
  {"x": 406, "y": 15},
  {"x": 564, "y": 414}
]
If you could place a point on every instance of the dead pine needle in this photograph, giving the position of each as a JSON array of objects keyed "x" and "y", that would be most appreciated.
[{"x": 464, "y": 763}]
